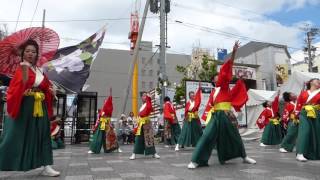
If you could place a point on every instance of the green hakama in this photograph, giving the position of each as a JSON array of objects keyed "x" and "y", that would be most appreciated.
[
  {"x": 219, "y": 132},
  {"x": 271, "y": 134},
  {"x": 191, "y": 133},
  {"x": 143, "y": 145},
  {"x": 172, "y": 133},
  {"x": 103, "y": 138},
  {"x": 308, "y": 142},
  {"x": 25, "y": 141},
  {"x": 289, "y": 141}
]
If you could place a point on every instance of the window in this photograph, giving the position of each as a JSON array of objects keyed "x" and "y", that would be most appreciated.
[
  {"x": 143, "y": 72},
  {"x": 150, "y": 72},
  {"x": 315, "y": 69},
  {"x": 151, "y": 85},
  {"x": 143, "y": 60},
  {"x": 143, "y": 85}
]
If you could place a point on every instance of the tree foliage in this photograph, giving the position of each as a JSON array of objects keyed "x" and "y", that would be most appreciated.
[{"x": 204, "y": 72}]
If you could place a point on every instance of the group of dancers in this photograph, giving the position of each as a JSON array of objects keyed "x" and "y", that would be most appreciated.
[
  {"x": 221, "y": 130},
  {"x": 26, "y": 142},
  {"x": 300, "y": 118}
]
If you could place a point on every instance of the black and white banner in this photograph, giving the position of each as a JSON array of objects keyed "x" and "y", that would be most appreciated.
[{"x": 70, "y": 67}]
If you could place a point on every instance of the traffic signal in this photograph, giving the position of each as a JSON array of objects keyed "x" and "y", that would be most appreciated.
[
  {"x": 154, "y": 6},
  {"x": 167, "y": 8}
]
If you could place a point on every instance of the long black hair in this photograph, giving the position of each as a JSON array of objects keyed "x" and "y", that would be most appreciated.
[
  {"x": 29, "y": 42},
  {"x": 308, "y": 84},
  {"x": 167, "y": 98},
  {"x": 286, "y": 96},
  {"x": 265, "y": 104}
]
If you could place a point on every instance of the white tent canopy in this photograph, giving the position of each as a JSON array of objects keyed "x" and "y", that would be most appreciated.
[
  {"x": 253, "y": 110},
  {"x": 254, "y": 107},
  {"x": 296, "y": 81}
]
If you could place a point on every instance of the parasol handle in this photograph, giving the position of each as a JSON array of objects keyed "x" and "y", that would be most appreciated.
[{"x": 25, "y": 70}]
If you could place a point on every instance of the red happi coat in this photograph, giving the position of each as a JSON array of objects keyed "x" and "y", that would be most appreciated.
[
  {"x": 53, "y": 126},
  {"x": 288, "y": 110},
  {"x": 196, "y": 103},
  {"x": 105, "y": 111},
  {"x": 237, "y": 96},
  {"x": 268, "y": 113},
  {"x": 17, "y": 88},
  {"x": 146, "y": 108},
  {"x": 304, "y": 99},
  {"x": 169, "y": 112}
]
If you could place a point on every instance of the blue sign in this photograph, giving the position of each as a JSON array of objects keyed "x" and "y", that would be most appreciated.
[{"x": 221, "y": 54}]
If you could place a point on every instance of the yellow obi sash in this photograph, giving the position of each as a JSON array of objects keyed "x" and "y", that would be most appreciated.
[
  {"x": 37, "y": 107},
  {"x": 222, "y": 106},
  {"x": 294, "y": 119},
  {"x": 103, "y": 122},
  {"x": 192, "y": 115},
  {"x": 274, "y": 121},
  {"x": 142, "y": 121},
  {"x": 311, "y": 110}
]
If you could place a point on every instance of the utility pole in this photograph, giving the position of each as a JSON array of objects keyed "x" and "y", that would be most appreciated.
[
  {"x": 43, "y": 18},
  {"x": 310, "y": 50},
  {"x": 163, "y": 75},
  {"x": 164, "y": 10}
]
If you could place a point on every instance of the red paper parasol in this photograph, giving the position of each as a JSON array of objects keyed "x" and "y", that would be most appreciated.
[{"x": 47, "y": 39}]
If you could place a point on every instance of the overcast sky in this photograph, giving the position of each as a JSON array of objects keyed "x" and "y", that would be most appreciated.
[{"x": 206, "y": 23}]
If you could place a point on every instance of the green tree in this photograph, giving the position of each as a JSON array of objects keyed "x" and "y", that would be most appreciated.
[
  {"x": 208, "y": 69},
  {"x": 205, "y": 72}
]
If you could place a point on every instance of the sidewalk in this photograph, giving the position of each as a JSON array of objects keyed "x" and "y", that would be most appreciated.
[{"x": 75, "y": 164}]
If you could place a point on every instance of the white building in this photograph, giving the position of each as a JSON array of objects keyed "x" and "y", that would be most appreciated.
[
  {"x": 303, "y": 66},
  {"x": 273, "y": 60}
]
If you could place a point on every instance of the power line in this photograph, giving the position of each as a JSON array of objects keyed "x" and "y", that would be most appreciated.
[
  {"x": 34, "y": 12},
  {"x": 17, "y": 21},
  {"x": 150, "y": 59},
  {"x": 223, "y": 33},
  {"x": 122, "y": 14},
  {"x": 248, "y": 20},
  {"x": 75, "y": 20}
]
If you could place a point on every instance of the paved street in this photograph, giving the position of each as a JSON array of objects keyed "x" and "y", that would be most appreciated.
[{"x": 75, "y": 164}]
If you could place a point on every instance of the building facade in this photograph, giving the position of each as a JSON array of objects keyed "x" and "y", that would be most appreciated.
[
  {"x": 111, "y": 69},
  {"x": 304, "y": 67},
  {"x": 273, "y": 61}
]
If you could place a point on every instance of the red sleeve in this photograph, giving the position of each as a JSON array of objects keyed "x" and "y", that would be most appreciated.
[
  {"x": 53, "y": 127},
  {"x": 197, "y": 100},
  {"x": 239, "y": 95},
  {"x": 300, "y": 102},
  {"x": 186, "y": 109},
  {"x": 275, "y": 105},
  {"x": 167, "y": 112},
  {"x": 286, "y": 113},
  {"x": 15, "y": 92},
  {"x": 108, "y": 107},
  {"x": 208, "y": 106},
  {"x": 148, "y": 109},
  {"x": 149, "y": 105},
  {"x": 263, "y": 119},
  {"x": 225, "y": 75}
]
